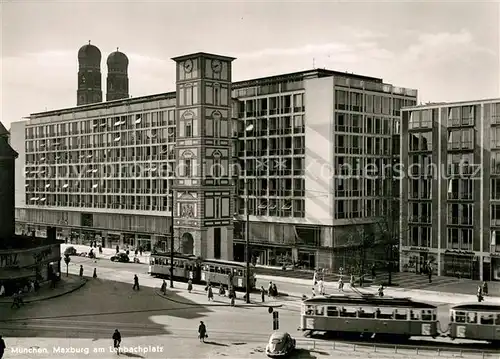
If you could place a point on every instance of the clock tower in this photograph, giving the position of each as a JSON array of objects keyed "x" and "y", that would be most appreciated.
[{"x": 203, "y": 188}]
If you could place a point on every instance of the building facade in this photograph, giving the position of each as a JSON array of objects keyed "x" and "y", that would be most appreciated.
[
  {"x": 449, "y": 189},
  {"x": 300, "y": 143}
]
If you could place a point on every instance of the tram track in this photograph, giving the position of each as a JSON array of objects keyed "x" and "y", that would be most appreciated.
[
  {"x": 97, "y": 328},
  {"x": 420, "y": 344}
]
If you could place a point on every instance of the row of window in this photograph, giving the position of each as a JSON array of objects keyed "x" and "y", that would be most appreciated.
[
  {"x": 369, "y": 312},
  {"x": 132, "y": 202},
  {"x": 126, "y": 154},
  {"x": 144, "y": 186},
  {"x": 360, "y": 187},
  {"x": 271, "y": 126},
  {"x": 112, "y": 139},
  {"x": 345, "y": 122},
  {"x": 274, "y": 105},
  {"x": 359, "y": 102},
  {"x": 457, "y": 117},
  {"x": 143, "y": 120},
  {"x": 354, "y": 144},
  {"x": 281, "y": 207},
  {"x": 358, "y": 208},
  {"x": 273, "y": 187},
  {"x": 475, "y": 317},
  {"x": 457, "y": 238}
]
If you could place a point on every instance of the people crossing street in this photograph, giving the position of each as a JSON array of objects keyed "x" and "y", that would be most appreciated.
[{"x": 136, "y": 282}]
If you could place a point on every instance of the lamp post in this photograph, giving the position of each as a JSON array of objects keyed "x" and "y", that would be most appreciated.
[
  {"x": 247, "y": 227},
  {"x": 172, "y": 240}
]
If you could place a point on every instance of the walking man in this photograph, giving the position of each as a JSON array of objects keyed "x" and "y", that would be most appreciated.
[
  {"x": 2, "y": 347},
  {"x": 136, "y": 282}
]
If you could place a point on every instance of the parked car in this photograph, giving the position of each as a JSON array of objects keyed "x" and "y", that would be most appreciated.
[
  {"x": 120, "y": 257},
  {"x": 280, "y": 344},
  {"x": 70, "y": 251}
]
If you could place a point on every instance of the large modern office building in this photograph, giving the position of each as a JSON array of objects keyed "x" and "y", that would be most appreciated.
[
  {"x": 298, "y": 142},
  {"x": 450, "y": 199}
]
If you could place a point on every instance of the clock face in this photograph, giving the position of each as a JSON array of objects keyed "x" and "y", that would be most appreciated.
[
  {"x": 188, "y": 66},
  {"x": 216, "y": 65}
]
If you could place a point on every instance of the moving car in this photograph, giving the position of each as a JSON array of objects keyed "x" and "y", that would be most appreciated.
[
  {"x": 280, "y": 344},
  {"x": 70, "y": 251},
  {"x": 120, "y": 257}
]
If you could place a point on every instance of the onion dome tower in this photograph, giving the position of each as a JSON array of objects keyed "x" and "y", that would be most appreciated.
[
  {"x": 89, "y": 75},
  {"x": 7, "y": 185},
  {"x": 117, "y": 82}
]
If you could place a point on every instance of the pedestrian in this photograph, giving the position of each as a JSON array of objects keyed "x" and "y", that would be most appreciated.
[
  {"x": 2, "y": 347},
  {"x": 81, "y": 270},
  {"x": 313, "y": 292},
  {"x": 270, "y": 289},
  {"x": 140, "y": 250},
  {"x": 210, "y": 292},
  {"x": 202, "y": 332},
  {"x": 485, "y": 288},
  {"x": 15, "y": 300},
  {"x": 321, "y": 286},
  {"x": 262, "y": 293},
  {"x": 351, "y": 282},
  {"x": 341, "y": 285},
  {"x": 2, "y": 290},
  {"x": 100, "y": 249},
  {"x": 117, "y": 249},
  {"x": 373, "y": 272},
  {"x": 136, "y": 282},
  {"x": 275, "y": 290},
  {"x": 479, "y": 294},
  {"x": 136, "y": 251},
  {"x": 190, "y": 286},
  {"x": 95, "y": 273},
  {"x": 381, "y": 291},
  {"x": 117, "y": 339}
]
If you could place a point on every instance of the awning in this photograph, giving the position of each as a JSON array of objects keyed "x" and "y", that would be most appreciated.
[{"x": 10, "y": 274}]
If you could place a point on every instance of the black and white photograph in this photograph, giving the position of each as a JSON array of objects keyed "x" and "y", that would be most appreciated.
[{"x": 249, "y": 179}]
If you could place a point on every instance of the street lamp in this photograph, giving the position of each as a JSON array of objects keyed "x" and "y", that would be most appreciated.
[
  {"x": 247, "y": 226},
  {"x": 172, "y": 241},
  {"x": 172, "y": 231}
]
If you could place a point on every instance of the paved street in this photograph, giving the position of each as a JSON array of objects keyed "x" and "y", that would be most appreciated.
[{"x": 87, "y": 318}]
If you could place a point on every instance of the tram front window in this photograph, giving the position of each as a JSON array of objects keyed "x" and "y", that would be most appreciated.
[
  {"x": 472, "y": 318},
  {"x": 332, "y": 312},
  {"x": 487, "y": 319},
  {"x": 320, "y": 310},
  {"x": 460, "y": 317}
]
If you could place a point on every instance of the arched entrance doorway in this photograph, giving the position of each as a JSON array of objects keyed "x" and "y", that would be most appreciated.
[{"x": 187, "y": 243}]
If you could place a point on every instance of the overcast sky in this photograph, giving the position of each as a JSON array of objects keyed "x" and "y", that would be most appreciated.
[{"x": 449, "y": 51}]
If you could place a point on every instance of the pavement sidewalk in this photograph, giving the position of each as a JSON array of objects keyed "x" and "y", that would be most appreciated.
[
  {"x": 298, "y": 287},
  {"x": 65, "y": 286}
]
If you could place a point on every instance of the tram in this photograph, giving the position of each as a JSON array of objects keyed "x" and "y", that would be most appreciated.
[
  {"x": 478, "y": 321},
  {"x": 369, "y": 315},
  {"x": 213, "y": 271}
]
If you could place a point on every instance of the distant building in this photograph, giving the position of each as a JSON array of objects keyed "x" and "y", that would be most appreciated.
[
  {"x": 106, "y": 170},
  {"x": 450, "y": 193},
  {"x": 117, "y": 82},
  {"x": 89, "y": 75},
  {"x": 22, "y": 257}
]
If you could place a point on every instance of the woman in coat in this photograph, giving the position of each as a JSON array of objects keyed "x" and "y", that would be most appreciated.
[{"x": 202, "y": 332}]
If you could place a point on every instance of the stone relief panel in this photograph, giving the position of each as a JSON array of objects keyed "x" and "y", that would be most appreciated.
[{"x": 188, "y": 210}]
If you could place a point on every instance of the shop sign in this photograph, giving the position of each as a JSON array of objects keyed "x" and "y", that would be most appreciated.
[
  {"x": 459, "y": 252},
  {"x": 495, "y": 254},
  {"x": 9, "y": 260},
  {"x": 419, "y": 249},
  {"x": 26, "y": 258}
]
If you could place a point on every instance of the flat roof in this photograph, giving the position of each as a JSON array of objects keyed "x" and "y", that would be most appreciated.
[
  {"x": 433, "y": 105},
  {"x": 293, "y": 76},
  {"x": 204, "y": 54}
]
